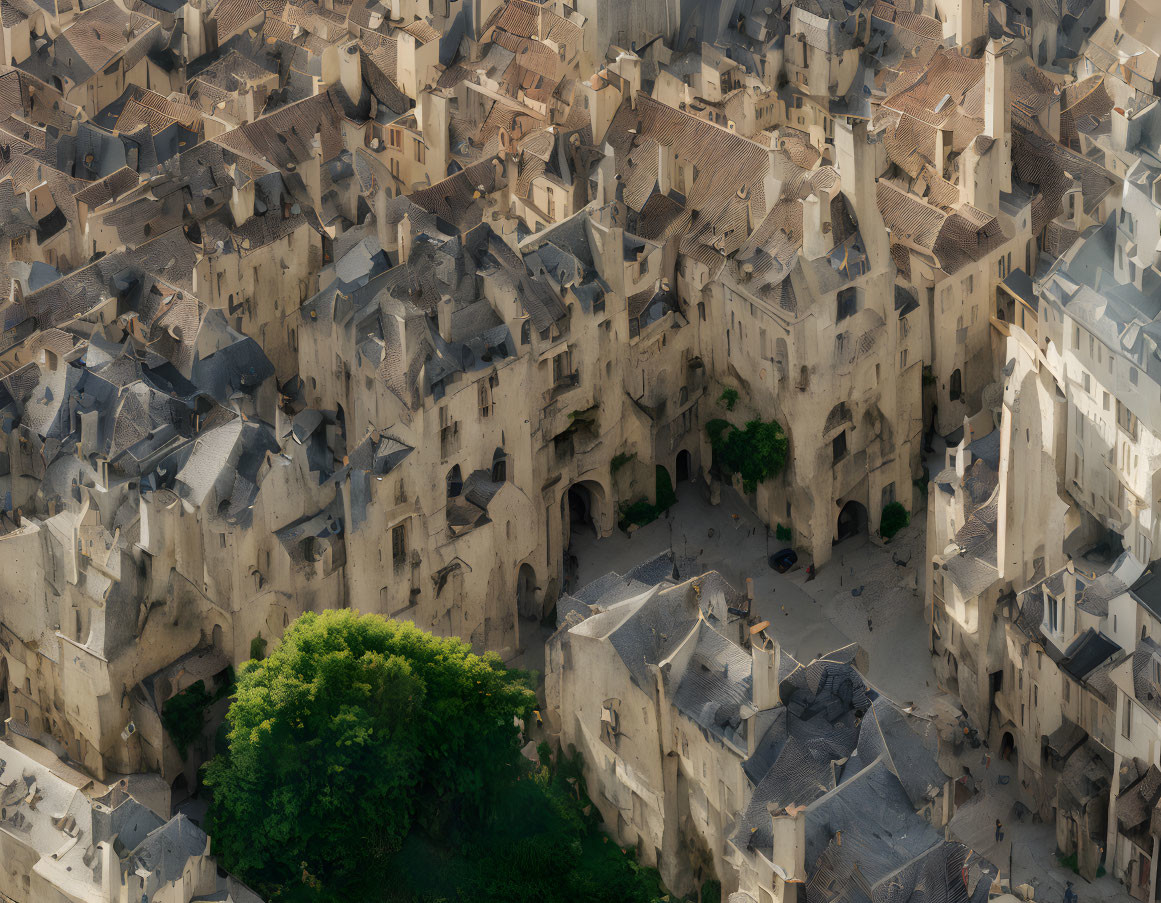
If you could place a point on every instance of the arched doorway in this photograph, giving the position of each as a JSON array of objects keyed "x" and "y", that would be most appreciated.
[
  {"x": 526, "y": 602},
  {"x": 1008, "y": 751},
  {"x": 684, "y": 466},
  {"x": 580, "y": 509},
  {"x": 852, "y": 521},
  {"x": 580, "y": 515}
]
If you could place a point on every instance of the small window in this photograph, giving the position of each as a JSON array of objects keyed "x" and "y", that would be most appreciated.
[
  {"x": 956, "y": 390},
  {"x": 526, "y": 332},
  {"x": 455, "y": 483},
  {"x": 839, "y": 446},
  {"x": 399, "y": 546},
  {"x": 420, "y": 151},
  {"x": 848, "y": 303}
]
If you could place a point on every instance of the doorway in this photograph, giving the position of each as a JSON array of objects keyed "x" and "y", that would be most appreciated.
[
  {"x": 684, "y": 466},
  {"x": 852, "y": 521}
]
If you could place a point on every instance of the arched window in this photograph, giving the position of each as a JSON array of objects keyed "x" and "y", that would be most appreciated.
[
  {"x": 499, "y": 466},
  {"x": 956, "y": 391},
  {"x": 455, "y": 483},
  {"x": 682, "y": 396},
  {"x": 526, "y": 332}
]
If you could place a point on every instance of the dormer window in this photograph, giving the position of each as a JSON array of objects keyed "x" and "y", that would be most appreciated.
[{"x": 1156, "y": 671}]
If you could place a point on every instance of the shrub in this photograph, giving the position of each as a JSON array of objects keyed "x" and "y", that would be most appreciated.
[
  {"x": 258, "y": 648},
  {"x": 665, "y": 494},
  {"x": 620, "y": 460},
  {"x": 728, "y": 398},
  {"x": 782, "y": 533},
  {"x": 757, "y": 452},
  {"x": 894, "y": 519},
  {"x": 184, "y": 715}
]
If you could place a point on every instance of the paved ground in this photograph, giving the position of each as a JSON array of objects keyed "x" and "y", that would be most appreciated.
[
  {"x": 809, "y": 619},
  {"x": 866, "y": 594}
]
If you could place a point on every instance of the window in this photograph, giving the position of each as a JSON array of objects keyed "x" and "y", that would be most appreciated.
[
  {"x": 526, "y": 332},
  {"x": 399, "y": 546},
  {"x": 455, "y": 483},
  {"x": 562, "y": 368},
  {"x": 1053, "y": 614},
  {"x": 848, "y": 303},
  {"x": 644, "y": 265},
  {"x": 420, "y": 155},
  {"x": 1126, "y": 420},
  {"x": 395, "y": 137},
  {"x": 903, "y": 359},
  {"x": 956, "y": 390},
  {"x": 839, "y": 446},
  {"x": 1127, "y": 719},
  {"x": 1076, "y": 338},
  {"x": 1106, "y": 401},
  {"x": 1085, "y": 380},
  {"x": 449, "y": 434},
  {"x": 1157, "y": 671},
  {"x": 485, "y": 401}
]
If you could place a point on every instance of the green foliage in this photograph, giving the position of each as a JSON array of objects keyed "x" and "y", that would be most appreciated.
[
  {"x": 642, "y": 511},
  {"x": 921, "y": 482},
  {"x": 620, "y": 460},
  {"x": 542, "y": 846},
  {"x": 757, "y": 452},
  {"x": 184, "y": 715},
  {"x": 258, "y": 648},
  {"x": 711, "y": 891},
  {"x": 664, "y": 490},
  {"x": 928, "y": 376},
  {"x": 783, "y": 533},
  {"x": 353, "y": 730},
  {"x": 728, "y": 398},
  {"x": 894, "y": 519}
]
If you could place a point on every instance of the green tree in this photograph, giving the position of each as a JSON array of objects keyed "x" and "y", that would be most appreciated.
[
  {"x": 352, "y": 729},
  {"x": 757, "y": 452},
  {"x": 894, "y": 519}
]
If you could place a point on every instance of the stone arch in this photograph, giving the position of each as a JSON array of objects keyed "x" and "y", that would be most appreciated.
[
  {"x": 852, "y": 520},
  {"x": 526, "y": 596},
  {"x": 683, "y": 466}
]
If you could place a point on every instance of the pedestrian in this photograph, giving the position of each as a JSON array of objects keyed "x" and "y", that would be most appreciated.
[
  {"x": 999, "y": 830},
  {"x": 869, "y": 627},
  {"x": 1069, "y": 894}
]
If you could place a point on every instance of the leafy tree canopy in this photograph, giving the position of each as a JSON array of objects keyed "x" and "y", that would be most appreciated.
[{"x": 352, "y": 729}]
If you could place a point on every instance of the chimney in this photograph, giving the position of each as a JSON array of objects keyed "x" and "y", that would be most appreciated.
[
  {"x": 998, "y": 110},
  {"x": 665, "y": 166},
  {"x": 857, "y": 158},
  {"x": 816, "y": 240},
  {"x": 765, "y": 665},
  {"x": 789, "y": 854},
  {"x": 971, "y": 24},
  {"x": 444, "y": 317},
  {"x": 944, "y": 139},
  {"x": 628, "y": 66},
  {"x": 434, "y": 118},
  {"x": 351, "y": 70}
]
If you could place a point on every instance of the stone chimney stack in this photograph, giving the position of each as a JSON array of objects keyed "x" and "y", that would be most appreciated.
[
  {"x": 817, "y": 238},
  {"x": 789, "y": 859},
  {"x": 998, "y": 111},
  {"x": 857, "y": 158},
  {"x": 765, "y": 665}
]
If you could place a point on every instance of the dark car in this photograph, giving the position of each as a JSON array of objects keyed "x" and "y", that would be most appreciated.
[{"x": 784, "y": 560}]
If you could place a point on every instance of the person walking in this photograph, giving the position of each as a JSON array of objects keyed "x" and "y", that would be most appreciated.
[
  {"x": 1069, "y": 894},
  {"x": 999, "y": 830}
]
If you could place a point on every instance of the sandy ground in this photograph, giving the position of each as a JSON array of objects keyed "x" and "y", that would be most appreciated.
[{"x": 867, "y": 594}]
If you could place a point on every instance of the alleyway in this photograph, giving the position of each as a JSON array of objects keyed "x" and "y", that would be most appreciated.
[{"x": 867, "y": 594}]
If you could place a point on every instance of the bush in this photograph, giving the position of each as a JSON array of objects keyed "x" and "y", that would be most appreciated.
[
  {"x": 664, "y": 489},
  {"x": 258, "y": 648},
  {"x": 620, "y": 460},
  {"x": 757, "y": 452},
  {"x": 184, "y": 715},
  {"x": 728, "y": 398},
  {"x": 894, "y": 519},
  {"x": 711, "y": 891},
  {"x": 782, "y": 533}
]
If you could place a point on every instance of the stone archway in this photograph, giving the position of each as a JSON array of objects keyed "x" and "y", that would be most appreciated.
[
  {"x": 683, "y": 467},
  {"x": 852, "y": 521},
  {"x": 582, "y": 511},
  {"x": 1008, "y": 750},
  {"x": 526, "y": 601}
]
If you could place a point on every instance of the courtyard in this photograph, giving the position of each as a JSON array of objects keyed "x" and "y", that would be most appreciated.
[{"x": 869, "y": 594}]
